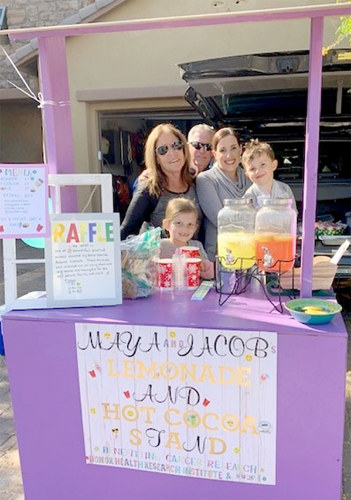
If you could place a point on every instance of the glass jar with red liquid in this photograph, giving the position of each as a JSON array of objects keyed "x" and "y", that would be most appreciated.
[{"x": 275, "y": 235}]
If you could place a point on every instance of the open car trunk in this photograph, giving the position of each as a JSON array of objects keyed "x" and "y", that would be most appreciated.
[{"x": 265, "y": 96}]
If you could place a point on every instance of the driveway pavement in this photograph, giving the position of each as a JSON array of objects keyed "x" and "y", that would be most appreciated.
[{"x": 31, "y": 277}]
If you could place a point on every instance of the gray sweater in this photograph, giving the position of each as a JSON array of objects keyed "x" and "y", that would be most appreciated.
[
  {"x": 279, "y": 190},
  {"x": 212, "y": 187}
]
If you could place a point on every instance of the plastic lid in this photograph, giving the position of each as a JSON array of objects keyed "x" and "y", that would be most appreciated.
[
  {"x": 277, "y": 201},
  {"x": 237, "y": 201}
]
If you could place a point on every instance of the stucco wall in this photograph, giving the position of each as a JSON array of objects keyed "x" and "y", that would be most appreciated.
[
  {"x": 20, "y": 133},
  {"x": 21, "y": 14},
  {"x": 149, "y": 58},
  {"x": 20, "y": 124}
]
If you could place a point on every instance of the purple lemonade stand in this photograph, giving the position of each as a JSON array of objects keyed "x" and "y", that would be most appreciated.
[{"x": 47, "y": 372}]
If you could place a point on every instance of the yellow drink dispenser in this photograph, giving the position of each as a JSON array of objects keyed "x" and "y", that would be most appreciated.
[{"x": 236, "y": 234}]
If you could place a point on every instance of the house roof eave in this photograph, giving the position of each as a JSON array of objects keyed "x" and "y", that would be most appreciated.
[{"x": 26, "y": 56}]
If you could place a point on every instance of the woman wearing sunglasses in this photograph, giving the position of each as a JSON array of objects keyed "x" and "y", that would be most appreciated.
[
  {"x": 225, "y": 180},
  {"x": 167, "y": 176}
]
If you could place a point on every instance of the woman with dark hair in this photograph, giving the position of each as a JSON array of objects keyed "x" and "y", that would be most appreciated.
[
  {"x": 225, "y": 180},
  {"x": 167, "y": 176}
]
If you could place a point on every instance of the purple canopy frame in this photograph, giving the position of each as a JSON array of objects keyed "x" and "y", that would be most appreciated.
[{"x": 55, "y": 88}]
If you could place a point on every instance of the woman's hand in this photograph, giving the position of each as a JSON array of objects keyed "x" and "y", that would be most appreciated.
[{"x": 207, "y": 269}]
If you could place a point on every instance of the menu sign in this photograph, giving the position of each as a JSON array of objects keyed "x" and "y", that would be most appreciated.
[
  {"x": 185, "y": 401},
  {"x": 23, "y": 201},
  {"x": 83, "y": 264}
]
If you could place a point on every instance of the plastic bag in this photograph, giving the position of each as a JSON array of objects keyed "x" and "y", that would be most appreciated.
[
  {"x": 138, "y": 268},
  {"x": 327, "y": 228}
]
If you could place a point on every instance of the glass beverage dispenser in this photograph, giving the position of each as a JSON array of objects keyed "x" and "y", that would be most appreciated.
[
  {"x": 275, "y": 235},
  {"x": 236, "y": 234}
]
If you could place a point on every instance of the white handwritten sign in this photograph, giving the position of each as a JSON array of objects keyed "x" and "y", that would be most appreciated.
[
  {"x": 185, "y": 401},
  {"x": 83, "y": 265},
  {"x": 23, "y": 200}
]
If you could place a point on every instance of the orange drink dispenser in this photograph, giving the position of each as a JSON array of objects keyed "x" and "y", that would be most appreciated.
[
  {"x": 275, "y": 234},
  {"x": 236, "y": 234}
]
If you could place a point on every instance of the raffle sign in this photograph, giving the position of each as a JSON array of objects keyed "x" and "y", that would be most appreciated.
[
  {"x": 23, "y": 201},
  {"x": 83, "y": 260},
  {"x": 184, "y": 401}
]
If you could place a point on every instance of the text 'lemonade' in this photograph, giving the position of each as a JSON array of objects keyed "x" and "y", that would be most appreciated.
[
  {"x": 272, "y": 250},
  {"x": 236, "y": 250}
]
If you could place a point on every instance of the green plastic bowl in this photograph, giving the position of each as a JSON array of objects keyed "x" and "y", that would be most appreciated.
[{"x": 329, "y": 310}]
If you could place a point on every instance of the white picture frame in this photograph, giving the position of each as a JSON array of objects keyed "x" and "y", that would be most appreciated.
[{"x": 83, "y": 260}]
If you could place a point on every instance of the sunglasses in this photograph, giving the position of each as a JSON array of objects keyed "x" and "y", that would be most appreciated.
[
  {"x": 176, "y": 146},
  {"x": 201, "y": 145}
]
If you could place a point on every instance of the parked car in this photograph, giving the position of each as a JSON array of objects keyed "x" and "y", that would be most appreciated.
[{"x": 265, "y": 96}]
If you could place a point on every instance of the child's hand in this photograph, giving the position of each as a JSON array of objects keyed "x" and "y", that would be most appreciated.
[{"x": 206, "y": 269}]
